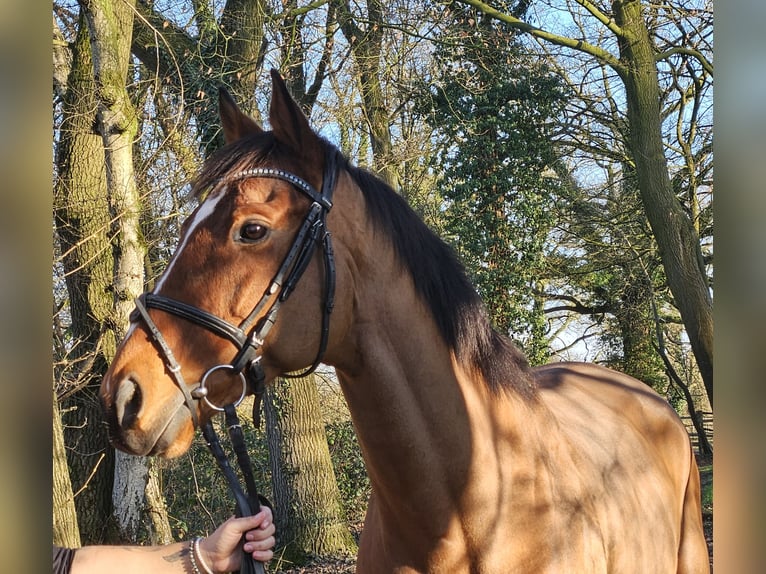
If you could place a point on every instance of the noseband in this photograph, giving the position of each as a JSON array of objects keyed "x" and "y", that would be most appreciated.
[{"x": 248, "y": 338}]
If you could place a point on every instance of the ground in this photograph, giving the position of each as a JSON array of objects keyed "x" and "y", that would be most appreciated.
[
  {"x": 706, "y": 476},
  {"x": 323, "y": 566}
]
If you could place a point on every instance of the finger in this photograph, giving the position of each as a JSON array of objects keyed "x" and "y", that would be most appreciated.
[
  {"x": 260, "y": 533},
  {"x": 256, "y": 545},
  {"x": 260, "y": 554},
  {"x": 264, "y": 515},
  {"x": 247, "y": 523}
]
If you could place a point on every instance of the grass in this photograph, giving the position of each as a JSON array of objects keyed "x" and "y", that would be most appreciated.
[
  {"x": 706, "y": 479},
  {"x": 706, "y": 483}
]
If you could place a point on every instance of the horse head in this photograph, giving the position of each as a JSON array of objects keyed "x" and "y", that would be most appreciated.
[{"x": 209, "y": 331}]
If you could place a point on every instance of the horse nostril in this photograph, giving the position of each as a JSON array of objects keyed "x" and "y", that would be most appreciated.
[{"x": 127, "y": 402}]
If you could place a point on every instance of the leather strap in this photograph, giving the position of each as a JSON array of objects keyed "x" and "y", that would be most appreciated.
[{"x": 170, "y": 360}]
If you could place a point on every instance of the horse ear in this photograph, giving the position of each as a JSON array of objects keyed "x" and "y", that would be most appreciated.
[
  {"x": 290, "y": 125},
  {"x": 236, "y": 125}
]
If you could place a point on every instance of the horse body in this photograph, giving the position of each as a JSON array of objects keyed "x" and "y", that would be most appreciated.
[
  {"x": 575, "y": 477},
  {"x": 478, "y": 462}
]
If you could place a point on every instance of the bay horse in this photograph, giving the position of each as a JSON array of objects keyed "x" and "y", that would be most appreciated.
[{"x": 478, "y": 462}]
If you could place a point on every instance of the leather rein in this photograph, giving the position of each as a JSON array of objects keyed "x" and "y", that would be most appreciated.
[{"x": 250, "y": 334}]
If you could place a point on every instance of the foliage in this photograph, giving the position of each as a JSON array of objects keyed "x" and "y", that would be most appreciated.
[
  {"x": 197, "y": 496},
  {"x": 492, "y": 107},
  {"x": 349, "y": 467},
  {"x": 606, "y": 266},
  {"x": 706, "y": 478},
  {"x": 639, "y": 42}
]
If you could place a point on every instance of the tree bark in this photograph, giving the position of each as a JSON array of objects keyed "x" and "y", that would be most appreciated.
[
  {"x": 161, "y": 532},
  {"x": 65, "y": 530},
  {"x": 110, "y": 23},
  {"x": 131, "y": 474},
  {"x": 366, "y": 45},
  {"x": 307, "y": 502},
  {"x": 81, "y": 217},
  {"x": 673, "y": 230}
]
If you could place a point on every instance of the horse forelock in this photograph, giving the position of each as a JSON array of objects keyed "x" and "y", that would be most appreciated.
[
  {"x": 440, "y": 279},
  {"x": 260, "y": 149},
  {"x": 246, "y": 153}
]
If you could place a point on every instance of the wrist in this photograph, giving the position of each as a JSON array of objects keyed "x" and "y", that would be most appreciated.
[{"x": 199, "y": 563}]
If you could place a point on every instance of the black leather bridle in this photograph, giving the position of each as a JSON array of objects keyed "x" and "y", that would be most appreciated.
[
  {"x": 250, "y": 334},
  {"x": 248, "y": 338}
]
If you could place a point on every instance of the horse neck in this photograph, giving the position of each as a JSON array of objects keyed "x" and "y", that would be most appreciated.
[{"x": 423, "y": 421}]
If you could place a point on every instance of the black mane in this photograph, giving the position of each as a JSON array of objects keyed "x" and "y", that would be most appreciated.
[{"x": 441, "y": 281}]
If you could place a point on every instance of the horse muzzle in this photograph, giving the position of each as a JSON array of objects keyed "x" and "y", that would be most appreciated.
[{"x": 166, "y": 430}]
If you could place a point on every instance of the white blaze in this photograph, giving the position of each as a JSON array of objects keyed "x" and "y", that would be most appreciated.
[{"x": 205, "y": 210}]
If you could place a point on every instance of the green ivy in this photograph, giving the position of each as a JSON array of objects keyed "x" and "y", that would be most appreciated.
[{"x": 493, "y": 107}]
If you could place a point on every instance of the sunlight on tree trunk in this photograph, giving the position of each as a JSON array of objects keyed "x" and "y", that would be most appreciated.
[
  {"x": 109, "y": 21},
  {"x": 81, "y": 217},
  {"x": 307, "y": 501},
  {"x": 366, "y": 45},
  {"x": 673, "y": 229},
  {"x": 65, "y": 530}
]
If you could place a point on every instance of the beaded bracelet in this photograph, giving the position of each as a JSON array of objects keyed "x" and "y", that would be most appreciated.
[
  {"x": 192, "y": 560},
  {"x": 195, "y": 555}
]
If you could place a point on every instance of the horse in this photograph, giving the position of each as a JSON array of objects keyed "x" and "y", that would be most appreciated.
[{"x": 478, "y": 462}]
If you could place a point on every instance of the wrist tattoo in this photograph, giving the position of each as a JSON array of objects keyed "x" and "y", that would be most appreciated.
[{"x": 180, "y": 556}]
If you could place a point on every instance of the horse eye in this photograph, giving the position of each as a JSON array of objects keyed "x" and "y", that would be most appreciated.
[{"x": 253, "y": 231}]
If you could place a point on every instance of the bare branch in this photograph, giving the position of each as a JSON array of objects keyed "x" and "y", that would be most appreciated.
[
  {"x": 706, "y": 65},
  {"x": 576, "y": 305},
  {"x": 579, "y": 45},
  {"x": 601, "y": 17}
]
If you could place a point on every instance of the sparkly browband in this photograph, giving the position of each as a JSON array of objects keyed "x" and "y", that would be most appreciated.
[{"x": 275, "y": 173}]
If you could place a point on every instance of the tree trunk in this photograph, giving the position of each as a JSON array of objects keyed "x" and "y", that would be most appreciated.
[
  {"x": 156, "y": 507},
  {"x": 130, "y": 479},
  {"x": 634, "y": 309},
  {"x": 296, "y": 58},
  {"x": 674, "y": 232},
  {"x": 81, "y": 217},
  {"x": 307, "y": 501},
  {"x": 636, "y": 322},
  {"x": 65, "y": 530},
  {"x": 110, "y": 23},
  {"x": 228, "y": 51},
  {"x": 366, "y": 45}
]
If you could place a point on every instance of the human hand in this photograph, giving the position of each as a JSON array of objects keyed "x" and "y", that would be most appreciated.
[
  {"x": 260, "y": 539},
  {"x": 221, "y": 550}
]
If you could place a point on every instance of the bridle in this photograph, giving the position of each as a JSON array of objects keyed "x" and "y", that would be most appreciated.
[
  {"x": 250, "y": 334},
  {"x": 248, "y": 338}
]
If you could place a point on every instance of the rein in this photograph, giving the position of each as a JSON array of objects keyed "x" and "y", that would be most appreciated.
[{"x": 249, "y": 339}]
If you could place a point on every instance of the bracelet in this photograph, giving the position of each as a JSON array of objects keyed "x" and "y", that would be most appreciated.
[
  {"x": 193, "y": 561},
  {"x": 195, "y": 555}
]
